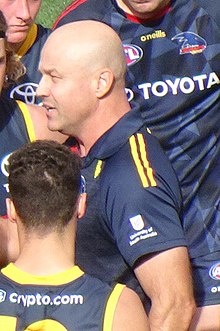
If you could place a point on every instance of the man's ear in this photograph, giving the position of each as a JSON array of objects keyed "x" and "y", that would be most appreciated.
[
  {"x": 81, "y": 205},
  {"x": 105, "y": 80},
  {"x": 11, "y": 212}
]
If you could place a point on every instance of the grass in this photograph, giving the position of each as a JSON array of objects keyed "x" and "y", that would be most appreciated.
[{"x": 50, "y": 10}]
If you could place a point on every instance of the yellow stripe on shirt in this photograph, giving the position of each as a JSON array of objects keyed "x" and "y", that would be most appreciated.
[
  {"x": 145, "y": 160},
  {"x": 27, "y": 119},
  {"x": 98, "y": 168},
  {"x": 111, "y": 306},
  {"x": 139, "y": 154}
]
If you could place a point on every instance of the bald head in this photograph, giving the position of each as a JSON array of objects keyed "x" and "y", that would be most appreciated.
[
  {"x": 91, "y": 44},
  {"x": 83, "y": 80}
]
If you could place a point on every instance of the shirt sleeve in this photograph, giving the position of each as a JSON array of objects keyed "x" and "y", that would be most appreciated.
[{"x": 144, "y": 217}]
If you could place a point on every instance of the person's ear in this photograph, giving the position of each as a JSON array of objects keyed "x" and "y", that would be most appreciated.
[
  {"x": 105, "y": 81},
  {"x": 81, "y": 205},
  {"x": 11, "y": 212}
]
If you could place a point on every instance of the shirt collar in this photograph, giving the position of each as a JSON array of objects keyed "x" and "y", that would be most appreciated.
[{"x": 115, "y": 137}]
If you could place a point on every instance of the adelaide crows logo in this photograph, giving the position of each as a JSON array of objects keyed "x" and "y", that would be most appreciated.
[{"x": 190, "y": 42}]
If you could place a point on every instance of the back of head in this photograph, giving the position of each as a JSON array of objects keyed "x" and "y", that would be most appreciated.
[{"x": 44, "y": 184}]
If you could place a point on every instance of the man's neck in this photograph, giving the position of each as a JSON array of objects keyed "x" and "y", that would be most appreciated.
[
  {"x": 46, "y": 256},
  {"x": 103, "y": 121}
]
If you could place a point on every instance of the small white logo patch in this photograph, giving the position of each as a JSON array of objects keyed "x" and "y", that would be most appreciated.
[{"x": 137, "y": 222}]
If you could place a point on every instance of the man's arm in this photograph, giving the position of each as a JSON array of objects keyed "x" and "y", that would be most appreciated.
[
  {"x": 206, "y": 318},
  {"x": 130, "y": 314},
  {"x": 166, "y": 279}
]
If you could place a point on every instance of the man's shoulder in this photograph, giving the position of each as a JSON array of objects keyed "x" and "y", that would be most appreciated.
[
  {"x": 211, "y": 7},
  {"x": 84, "y": 9},
  {"x": 8, "y": 106},
  {"x": 13, "y": 118},
  {"x": 131, "y": 160}
]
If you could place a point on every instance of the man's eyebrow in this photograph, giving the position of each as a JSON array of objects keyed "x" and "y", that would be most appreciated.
[
  {"x": 52, "y": 71},
  {"x": 48, "y": 70}
]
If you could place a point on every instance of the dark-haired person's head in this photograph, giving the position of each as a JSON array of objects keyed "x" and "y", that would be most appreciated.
[{"x": 44, "y": 184}]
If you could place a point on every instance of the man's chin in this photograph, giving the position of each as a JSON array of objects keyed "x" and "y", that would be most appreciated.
[
  {"x": 54, "y": 128},
  {"x": 15, "y": 40}
]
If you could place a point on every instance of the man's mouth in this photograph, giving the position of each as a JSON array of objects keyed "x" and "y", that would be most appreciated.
[
  {"x": 18, "y": 28},
  {"x": 48, "y": 108}
]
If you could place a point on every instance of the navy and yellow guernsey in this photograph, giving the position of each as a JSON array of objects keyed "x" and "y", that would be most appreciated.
[
  {"x": 29, "y": 53},
  {"x": 132, "y": 204},
  {"x": 178, "y": 91},
  {"x": 69, "y": 301},
  {"x": 16, "y": 129}
]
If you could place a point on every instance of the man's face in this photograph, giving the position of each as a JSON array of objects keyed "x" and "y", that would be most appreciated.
[
  {"x": 66, "y": 89},
  {"x": 143, "y": 8},
  {"x": 19, "y": 15}
]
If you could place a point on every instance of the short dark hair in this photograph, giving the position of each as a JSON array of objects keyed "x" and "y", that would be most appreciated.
[{"x": 44, "y": 184}]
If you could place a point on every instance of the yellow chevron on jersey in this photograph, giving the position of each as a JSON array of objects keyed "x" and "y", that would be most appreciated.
[
  {"x": 110, "y": 307},
  {"x": 139, "y": 154},
  {"x": 27, "y": 119},
  {"x": 29, "y": 41}
]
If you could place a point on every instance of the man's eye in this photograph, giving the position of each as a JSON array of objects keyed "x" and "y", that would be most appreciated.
[{"x": 54, "y": 77}]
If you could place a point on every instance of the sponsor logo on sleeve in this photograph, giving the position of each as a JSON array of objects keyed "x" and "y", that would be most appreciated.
[
  {"x": 214, "y": 271},
  {"x": 141, "y": 231}
]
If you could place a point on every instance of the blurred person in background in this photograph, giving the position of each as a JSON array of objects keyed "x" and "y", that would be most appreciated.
[{"x": 26, "y": 38}]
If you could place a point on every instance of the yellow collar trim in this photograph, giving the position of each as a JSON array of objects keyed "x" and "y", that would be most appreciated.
[{"x": 21, "y": 277}]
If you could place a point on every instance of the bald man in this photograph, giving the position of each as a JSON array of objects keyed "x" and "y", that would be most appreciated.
[{"x": 132, "y": 231}]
